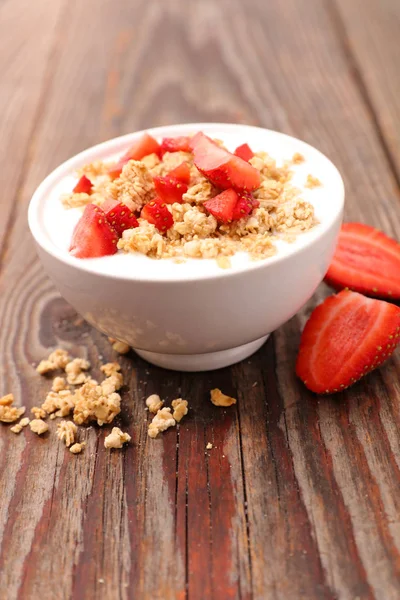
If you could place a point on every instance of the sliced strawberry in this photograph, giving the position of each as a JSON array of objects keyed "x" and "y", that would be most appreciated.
[
  {"x": 142, "y": 147},
  {"x": 169, "y": 189},
  {"x": 119, "y": 216},
  {"x": 243, "y": 207},
  {"x": 244, "y": 151},
  {"x": 156, "y": 212},
  {"x": 181, "y": 172},
  {"x": 221, "y": 167},
  {"x": 367, "y": 261},
  {"x": 115, "y": 170},
  {"x": 175, "y": 144},
  {"x": 223, "y": 205},
  {"x": 84, "y": 186},
  {"x": 93, "y": 235},
  {"x": 346, "y": 337}
]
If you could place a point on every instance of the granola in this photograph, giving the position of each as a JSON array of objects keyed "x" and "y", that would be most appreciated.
[
  {"x": 77, "y": 448},
  {"x": 19, "y": 426},
  {"x": 38, "y": 426},
  {"x": 66, "y": 432},
  {"x": 8, "y": 412},
  {"x": 75, "y": 371},
  {"x": 220, "y": 399},
  {"x": 191, "y": 227},
  {"x": 162, "y": 421},
  {"x": 56, "y": 360},
  {"x": 116, "y": 439},
  {"x": 180, "y": 409},
  {"x": 154, "y": 403}
]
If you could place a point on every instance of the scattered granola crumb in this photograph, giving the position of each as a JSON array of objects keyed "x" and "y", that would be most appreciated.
[
  {"x": 77, "y": 448},
  {"x": 312, "y": 182},
  {"x": 162, "y": 421},
  {"x": 220, "y": 399},
  {"x": 116, "y": 439},
  {"x": 60, "y": 403},
  {"x": 38, "y": 412},
  {"x": 59, "y": 383},
  {"x": 110, "y": 368},
  {"x": 74, "y": 371},
  {"x": 180, "y": 409},
  {"x": 66, "y": 432},
  {"x": 56, "y": 360},
  {"x": 209, "y": 446},
  {"x": 38, "y": 426},
  {"x": 298, "y": 158},
  {"x": 91, "y": 404},
  {"x": 119, "y": 347},
  {"x": 8, "y": 412},
  {"x": 19, "y": 426},
  {"x": 154, "y": 403}
]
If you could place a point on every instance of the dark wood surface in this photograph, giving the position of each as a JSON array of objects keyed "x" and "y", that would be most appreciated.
[{"x": 300, "y": 497}]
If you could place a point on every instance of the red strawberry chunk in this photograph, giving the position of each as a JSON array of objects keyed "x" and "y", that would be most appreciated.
[
  {"x": 84, "y": 186},
  {"x": 221, "y": 167},
  {"x": 223, "y": 205},
  {"x": 93, "y": 235},
  {"x": 156, "y": 212},
  {"x": 175, "y": 144},
  {"x": 367, "y": 261},
  {"x": 346, "y": 337},
  {"x": 169, "y": 189},
  {"x": 142, "y": 147},
  {"x": 181, "y": 172},
  {"x": 243, "y": 207},
  {"x": 244, "y": 151},
  {"x": 115, "y": 170},
  {"x": 119, "y": 216}
]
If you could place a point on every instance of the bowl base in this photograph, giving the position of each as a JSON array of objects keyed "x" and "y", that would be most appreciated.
[{"x": 202, "y": 362}]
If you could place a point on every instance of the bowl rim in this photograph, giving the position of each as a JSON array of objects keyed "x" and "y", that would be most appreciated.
[{"x": 120, "y": 143}]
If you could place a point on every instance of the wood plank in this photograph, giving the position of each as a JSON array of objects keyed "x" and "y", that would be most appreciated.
[
  {"x": 25, "y": 67},
  {"x": 370, "y": 33},
  {"x": 320, "y": 480}
]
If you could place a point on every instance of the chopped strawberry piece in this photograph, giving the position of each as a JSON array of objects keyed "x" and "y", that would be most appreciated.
[
  {"x": 84, "y": 186},
  {"x": 255, "y": 202},
  {"x": 156, "y": 212},
  {"x": 119, "y": 216},
  {"x": 169, "y": 189},
  {"x": 175, "y": 144},
  {"x": 93, "y": 235},
  {"x": 181, "y": 172},
  {"x": 142, "y": 147},
  {"x": 223, "y": 205},
  {"x": 366, "y": 261},
  {"x": 346, "y": 337},
  {"x": 115, "y": 170},
  {"x": 244, "y": 151},
  {"x": 221, "y": 167},
  {"x": 243, "y": 207}
]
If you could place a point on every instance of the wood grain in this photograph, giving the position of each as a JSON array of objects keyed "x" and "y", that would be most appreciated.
[{"x": 298, "y": 498}]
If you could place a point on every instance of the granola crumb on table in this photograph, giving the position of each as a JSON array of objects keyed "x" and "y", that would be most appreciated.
[
  {"x": 77, "y": 448},
  {"x": 38, "y": 412},
  {"x": 59, "y": 384},
  {"x": 66, "y": 432},
  {"x": 154, "y": 403},
  {"x": 56, "y": 360},
  {"x": 116, "y": 439},
  {"x": 110, "y": 368},
  {"x": 118, "y": 346},
  {"x": 19, "y": 426},
  {"x": 38, "y": 426},
  {"x": 75, "y": 371},
  {"x": 220, "y": 399},
  {"x": 209, "y": 446},
  {"x": 180, "y": 409},
  {"x": 162, "y": 421},
  {"x": 8, "y": 412}
]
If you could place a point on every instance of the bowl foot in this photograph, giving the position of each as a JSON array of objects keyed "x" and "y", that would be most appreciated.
[{"x": 202, "y": 362}]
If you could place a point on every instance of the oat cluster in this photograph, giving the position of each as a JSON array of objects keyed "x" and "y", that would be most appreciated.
[
  {"x": 196, "y": 233},
  {"x": 220, "y": 399},
  {"x": 8, "y": 412},
  {"x": 164, "y": 418}
]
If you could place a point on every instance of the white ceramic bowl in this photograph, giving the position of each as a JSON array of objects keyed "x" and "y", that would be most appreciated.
[{"x": 193, "y": 316}]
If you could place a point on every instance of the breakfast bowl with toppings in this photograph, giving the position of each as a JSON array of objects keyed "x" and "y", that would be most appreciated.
[{"x": 191, "y": 243}]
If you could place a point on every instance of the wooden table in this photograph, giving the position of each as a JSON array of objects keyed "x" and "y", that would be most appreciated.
[{"x": 300, "y": 496}]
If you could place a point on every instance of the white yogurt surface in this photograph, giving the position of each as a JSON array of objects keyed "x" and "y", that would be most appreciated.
[{"x": 52, "y": 224}]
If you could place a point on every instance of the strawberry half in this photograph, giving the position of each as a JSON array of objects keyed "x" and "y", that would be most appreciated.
[
  {"x": 223, "y": 205},
  {"x": 119, "y": 216},
  {"x": 93, "y": 235},
  {"x": 181, "y": 172},
  {"x": 243, "y": 207},
  {"x": 221, "y": 167},
  {"x": 346, "y": 337},
  {"x": 244, "y": 151},
  {"x": 175, "y": 144},
  {"x": 367, "y": 261},
  {"x": 169, "y": 188},
  {"x": 84, "y": 186},
  {"x": 156, "y": 212},
  {"x": 142, "y": 147}
]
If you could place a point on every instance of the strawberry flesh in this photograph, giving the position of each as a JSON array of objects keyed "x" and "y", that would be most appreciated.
[
  {"x": 346, "y": 337},
  {"x": 169, "y": 189},
  {"x": 223, "y": 205},
  {"x": 181, "y": 172},
  {"x": 243, "y": 207},
  {"x": 221, "y": 167},
  {"x": 157, "y": 213},
  {"x": 93, "y": 235},
  {"x": 175, "y": 144},
  {"x": 366, "y": 261},
  {"x": 84, "y": 186},
  {"x": 142, "y": 147},
  {"x": 119, "y": 216},
  {"x": 244, "y": 151}
]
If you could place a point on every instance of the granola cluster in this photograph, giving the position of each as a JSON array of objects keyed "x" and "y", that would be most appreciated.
[
  {"x": 164, "y": 418},
  {"x": 195, "y": 232}
]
